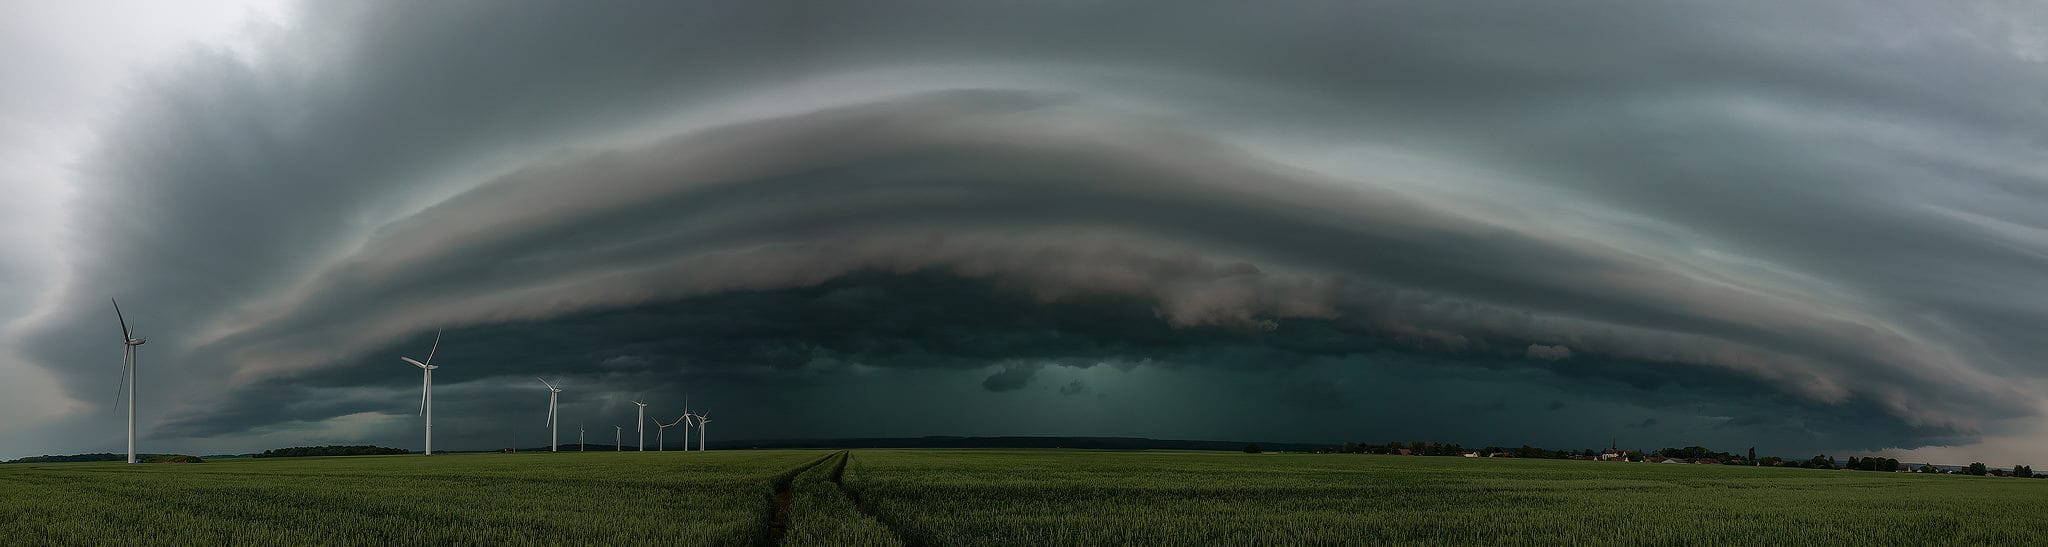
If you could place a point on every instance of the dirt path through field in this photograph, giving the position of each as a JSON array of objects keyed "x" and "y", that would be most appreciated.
[
  {"x": 814, "y": 506},
  {"x": 779, "y": 523},
  {"x": 839, "y": 479}
]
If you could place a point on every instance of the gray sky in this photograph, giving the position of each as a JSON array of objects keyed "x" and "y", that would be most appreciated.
[{"x": 1801, "y": 226}]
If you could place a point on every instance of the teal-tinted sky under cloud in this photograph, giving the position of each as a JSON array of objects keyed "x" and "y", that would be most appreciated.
[{"x": 1801, "y": 226}]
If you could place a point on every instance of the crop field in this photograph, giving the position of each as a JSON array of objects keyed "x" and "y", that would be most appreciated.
[
  {"x": 597, "y": 498},
  {"x": 977, "y": 497},
  {"x": 1050, "y": 497}
]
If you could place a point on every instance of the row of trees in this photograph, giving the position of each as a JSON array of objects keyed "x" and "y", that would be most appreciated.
[
  {"x": 1697, "y": 452},
  {"x": 108, "y": 457},
  {"x": 1417, "y": 448},
  {"x": 102, "y": 457},
  {"x": 335, "y": 450},
  {"x": 1421, "y": 448},
  {"x": 1887, "y": 465},
  {"x": 1822, "y": 461},
  {"x": 2021, "y": 471},
  {"x": 1690, "y": 453}
]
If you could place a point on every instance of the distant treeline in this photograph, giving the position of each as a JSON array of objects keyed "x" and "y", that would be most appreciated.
[
  {"x": 304, "y": 451},
  {"x": 105, "y": 457},
  {"x": 1690, "y": 454},
  {"x": 1419, "y": 448},
  {"x": 946, "y": 441}
]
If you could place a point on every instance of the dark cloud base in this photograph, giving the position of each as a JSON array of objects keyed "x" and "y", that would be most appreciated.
[
  {"x": 1712, "y": 218},
  {"x": 748, "y": 346}
]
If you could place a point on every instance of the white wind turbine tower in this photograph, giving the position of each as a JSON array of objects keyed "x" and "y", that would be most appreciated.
[
  {"x": 702, "y": 421},
  {"x": 618, "y": 436},
  {"x": 552, "y": 421},
  {"x": 427, "y": 388},
  {"x": 686, "y": 423},
  {"x": 661, "y": 440},
  {"x": 128, "y": 351},
  {"x": 579, "y": 436},
  {"x": 640, "y": 425}
]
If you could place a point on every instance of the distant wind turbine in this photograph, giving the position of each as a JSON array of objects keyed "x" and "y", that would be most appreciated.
[
  {"x": 661, "y": 441},
  {"x": 618, "y": 436},
  {"x": 579, "y": 436},
  {"x": 639, "y": 425},
  {"x": 702, "y": 422},
  {"x": 552, "y": 421},
  {"x": 427, "y": 389},
  {"x": 128, "y": 360},
  {"x": 687, "y": 423}
]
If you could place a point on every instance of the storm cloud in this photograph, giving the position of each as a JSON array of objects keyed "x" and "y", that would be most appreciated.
[{"x": 1683, "y": 218}]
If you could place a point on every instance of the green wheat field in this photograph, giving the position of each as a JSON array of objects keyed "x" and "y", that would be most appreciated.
[{"x": 997, "y": 497}]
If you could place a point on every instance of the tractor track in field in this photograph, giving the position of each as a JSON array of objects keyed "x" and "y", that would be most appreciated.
[
  {"x": 784, "y": 486},
  {"x": 785, "y": 497},
  {"x": 838, "y": 479}
]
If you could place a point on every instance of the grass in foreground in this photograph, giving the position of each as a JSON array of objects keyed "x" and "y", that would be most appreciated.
[
  {"x": 989, "y": 497},
  {"x": 822, "y": 514},
  {"x": 973, "y": 497},
  {"x": 598, "y": 498}
]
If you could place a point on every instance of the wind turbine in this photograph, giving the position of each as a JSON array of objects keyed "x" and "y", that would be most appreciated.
[
  {"x": 427, "y": 388},
  {"x": 618, "y": 433},
  {"x": 661, "y": 441},
  {"x": 702, "y": 421},
  {"x": 640, "y": 425},
  {"x": 686, "y": 423},
  {"x": 128, "y": 351},
  {"x": 579, "y": 436},
  {"x": 552, "y": 421}
]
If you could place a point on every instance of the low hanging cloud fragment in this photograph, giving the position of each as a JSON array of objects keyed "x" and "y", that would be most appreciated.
[
  {"x": 1012, "y": 377},
  {"x": 1547, "y": 353}
]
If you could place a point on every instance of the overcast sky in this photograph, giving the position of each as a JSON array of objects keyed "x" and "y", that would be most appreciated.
[{"x": 1801, "y": 226}]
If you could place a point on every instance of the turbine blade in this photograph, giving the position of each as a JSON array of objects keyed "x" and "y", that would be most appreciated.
[
  {"x": 437, "y": 347},
  {"x": 423, "y": 393},
  {"x": 122, "y": 386},
  {"x": 414, "y": 363},
  {"x": 543, "y": 381},
  {"x": 125, "y": 336}
]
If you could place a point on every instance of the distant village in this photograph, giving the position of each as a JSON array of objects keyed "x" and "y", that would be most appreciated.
[{"x": 1691, "y": 455}]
